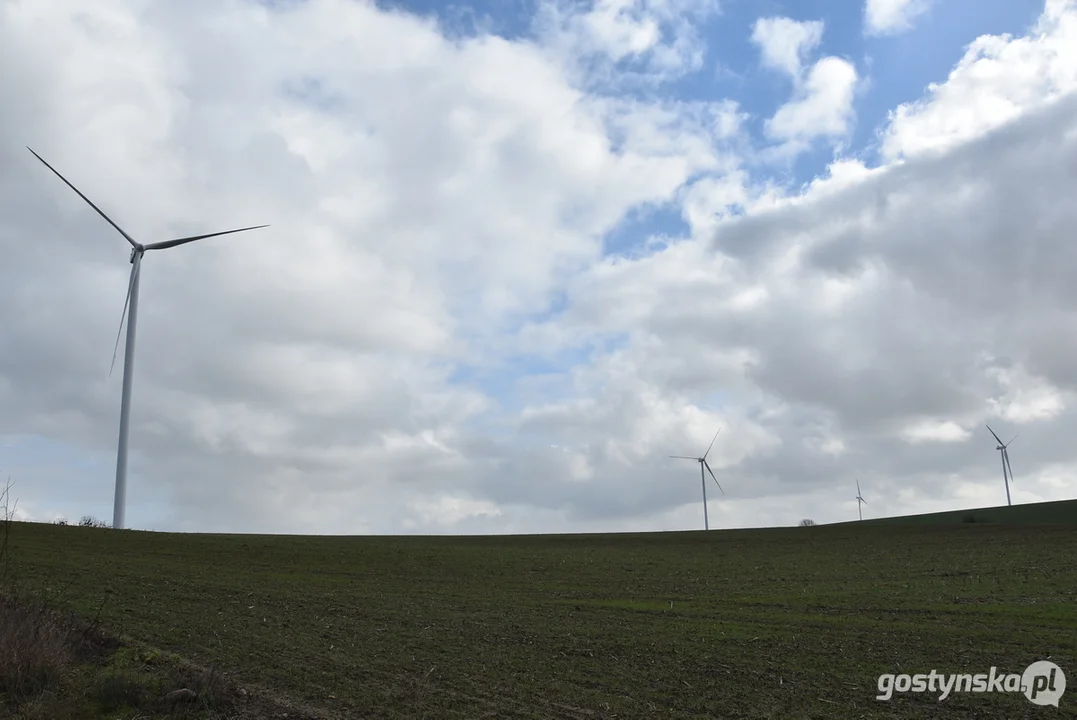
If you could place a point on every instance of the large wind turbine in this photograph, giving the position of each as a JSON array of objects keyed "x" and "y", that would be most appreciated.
[
  {"x": 860, "y": 501},
  {"x": 1007, "y": 471},
  {"x": 702, "y": 477},
  {"x": 130, "y": 306}
]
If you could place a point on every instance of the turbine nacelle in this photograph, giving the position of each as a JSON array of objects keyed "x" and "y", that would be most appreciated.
[{"x": 1001, "y": 445}]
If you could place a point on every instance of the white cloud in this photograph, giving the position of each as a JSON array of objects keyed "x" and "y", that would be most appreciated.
[
  {"x": 822, "y": 101},
  {"x": 842, "y": 173},
  {"x": 785, "y": 43},
  {"x": 935, "y": 431},
  {"x": 889, "y": 17},
  {"x": 450, "y": 511},
  {"x": 998, "y": 79},
  {"x": 822, "y": 106},
  {"x": 1026, "y": 397},
  {"x": 625, "y": 41}
]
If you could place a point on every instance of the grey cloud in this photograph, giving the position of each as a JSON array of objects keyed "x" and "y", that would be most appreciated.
[
  {"x": 964, "y": 268},
  {"x": 298, "y": 379},
  {"x": 988, "y": 191}
]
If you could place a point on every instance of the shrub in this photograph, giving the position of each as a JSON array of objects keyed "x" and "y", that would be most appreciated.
[
  {"x": 38, "y": 645},
  {"x": 122, "y": 688},
  {"x": 91, "y": 521},
  {"x": 35, "y": 649},
  {"x": 60, "y": 521},
  {"x": 807, "y": 522}
]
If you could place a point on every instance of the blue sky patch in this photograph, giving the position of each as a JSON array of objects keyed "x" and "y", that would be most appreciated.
[{"x": 640, "y": 224}]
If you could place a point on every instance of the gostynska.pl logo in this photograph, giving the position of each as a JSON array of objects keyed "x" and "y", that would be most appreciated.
[{"x": 1042, "y": 682}]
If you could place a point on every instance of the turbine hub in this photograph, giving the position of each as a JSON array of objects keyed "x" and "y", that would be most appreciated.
[{"x": 139, "y": 249}]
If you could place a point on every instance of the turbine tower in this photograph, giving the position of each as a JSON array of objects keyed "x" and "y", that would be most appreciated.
[
  {"x": 1007, "y": 471},
  {"x": 130, "y": 309},
  {"x": 702, "y": 477},
  {"x": 860, "y": 501}
]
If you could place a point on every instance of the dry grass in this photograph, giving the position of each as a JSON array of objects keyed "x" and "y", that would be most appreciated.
[
  {"x": 36, "y": 649},
  {"x": 39, "y": 645}
]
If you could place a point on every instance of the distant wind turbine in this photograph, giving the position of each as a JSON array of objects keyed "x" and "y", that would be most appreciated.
[
  {"x": 860, "y": 501},
  {"x": 137, "y": 251},
  {"x": 1007, "y": 471},
  {"x": 703, "y": 478}
]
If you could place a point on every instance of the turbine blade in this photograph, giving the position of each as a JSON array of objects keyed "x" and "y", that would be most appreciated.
[
  {"x": 712, "y": 475},
  {"x": 1006, "y": 455},
  {"x": 1013, "y": 438},
  {"x": 126, "y": 300},
  {"x": 684, "y": 457},
  {"x": 182, "y": 241},
  {"x": 90, "y": 202},
  {"x": 993, "y": 433},
  {"x": 712, "y": 444},
  {"x": 858, "y": 493}
]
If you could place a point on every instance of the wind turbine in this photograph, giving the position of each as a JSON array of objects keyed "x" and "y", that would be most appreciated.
[
  {"x": 860, "y": 501},
  {"x": 1007, "y": 471},
  {"x": 137, "y": 251},
  {"x": 702, "y": 477}
]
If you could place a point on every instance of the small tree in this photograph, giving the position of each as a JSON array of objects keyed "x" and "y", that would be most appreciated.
[
  {"x": 807, "y": 522},
  {"x": 8, "y": 510},
  {"x": 91, "y": 521}
]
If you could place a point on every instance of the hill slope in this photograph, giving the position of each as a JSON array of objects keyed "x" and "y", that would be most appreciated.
[
  {"x": 790, "y": 623},
  {"x": 1061, "y": 512}
]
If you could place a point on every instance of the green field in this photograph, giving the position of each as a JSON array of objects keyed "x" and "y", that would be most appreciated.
[
  {"x": 1061, "y": 512},
  {"x": 781, "y": 623}
]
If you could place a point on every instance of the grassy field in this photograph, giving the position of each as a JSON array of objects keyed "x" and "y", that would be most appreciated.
[
  {"x": 782, "y": 623},
  {"x": 1061, "y": 512}
]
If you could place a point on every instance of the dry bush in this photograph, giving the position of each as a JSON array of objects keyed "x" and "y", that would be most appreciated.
[
  {"x": 36, "y": 649},
  {"x": 38, "y": 645}
]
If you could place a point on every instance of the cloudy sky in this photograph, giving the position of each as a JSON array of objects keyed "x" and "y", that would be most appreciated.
[{"x": 522, "y": 251}]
